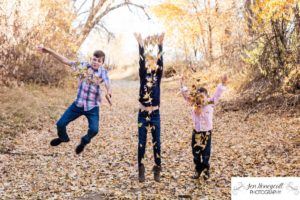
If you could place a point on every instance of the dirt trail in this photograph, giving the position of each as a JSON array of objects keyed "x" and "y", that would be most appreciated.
[{"x": 107, "y": 169}]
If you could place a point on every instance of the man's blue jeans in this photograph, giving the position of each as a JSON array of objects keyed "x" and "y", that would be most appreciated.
[
  {"x": 72, "y": 113},
  {"x": 147, "y": 121}
]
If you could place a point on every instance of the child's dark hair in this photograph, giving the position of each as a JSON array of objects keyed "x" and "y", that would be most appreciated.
[
  {"x": 197, "y": 96},
  {"x": 202, "y": 90},
  {"x": 99, "y": 54}
]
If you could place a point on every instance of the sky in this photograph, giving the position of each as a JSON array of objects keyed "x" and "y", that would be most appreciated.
[{"x": 123, "y": 23}]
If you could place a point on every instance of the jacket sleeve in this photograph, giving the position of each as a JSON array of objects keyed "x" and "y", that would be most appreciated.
[
  {"x": 160, "y": 60},
  {"x": 218, "y": 93},
  {"x": 142, "y": 62}
]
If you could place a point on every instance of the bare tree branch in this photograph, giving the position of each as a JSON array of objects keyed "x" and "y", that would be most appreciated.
[
  {"x": 109, "y": 9},
  {"x": 93, "y": 4},
  {"x": 83, "y": 13},
  {"x": 99, "y": 10},
  {"x": 89, "y": 22},
  {"x": 81, "y": 6},
  {"x": 101, "y": 26}
]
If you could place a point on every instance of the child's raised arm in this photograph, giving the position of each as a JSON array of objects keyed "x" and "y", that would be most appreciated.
[
  {"x": 56, "y": 55},
  {"x": 142, "y": 62},
  {"x": 139, "y": 39},
  {"x": 219, "y": 90},
  {"x": 184, "y": 90},
  {"x": 160, "y": 49}
]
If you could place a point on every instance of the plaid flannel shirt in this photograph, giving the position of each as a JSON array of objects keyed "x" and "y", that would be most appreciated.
[{"x": 89, "y": 93}]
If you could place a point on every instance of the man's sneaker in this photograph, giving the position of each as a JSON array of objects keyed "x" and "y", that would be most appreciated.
[
  {"x": 156, "y": 173},
  {"x": 79, "y": 148},
  {"x": 206, "y": 173},
  {"x": 141, "y": 173},
  {"x": 196, "y": 175},
  {"x": 56, "y": 142}
]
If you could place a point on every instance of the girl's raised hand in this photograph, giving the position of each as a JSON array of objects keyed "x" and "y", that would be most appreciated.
[
  {"x": 182, "y": 79},
  {"x": 224, "y": 79}
]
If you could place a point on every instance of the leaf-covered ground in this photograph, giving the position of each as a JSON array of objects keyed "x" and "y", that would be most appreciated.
[{"x": 107, "y": 169}]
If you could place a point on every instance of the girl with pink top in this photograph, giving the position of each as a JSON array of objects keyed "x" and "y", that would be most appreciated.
[{"x": 202, "y": 116}]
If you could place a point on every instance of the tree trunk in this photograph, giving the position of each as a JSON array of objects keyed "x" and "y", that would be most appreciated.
[
  {"x": 210, "y": 44},
  {"x": 249, "y": 15},
  {"x": 297, "y": 28},
  {"x": 278, "y": 47},
  {"x": 209, "y": 37},
  {"x": 89, "y": 24}
]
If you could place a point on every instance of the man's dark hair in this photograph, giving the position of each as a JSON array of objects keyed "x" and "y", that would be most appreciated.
[
  {"x": 99, "y": 54},
  {"x": 202, "y": 90}
]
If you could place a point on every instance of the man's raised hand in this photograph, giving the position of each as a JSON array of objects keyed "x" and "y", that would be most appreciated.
[
  {"x": 161, "y": 38},
  {"x": 138, "y": 38}
]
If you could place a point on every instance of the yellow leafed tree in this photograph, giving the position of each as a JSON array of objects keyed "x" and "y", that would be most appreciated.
[
  {"x": 203, "y": 28},
  {"x": 275, "y": 25},
  {"x": 51, "y": 27}
]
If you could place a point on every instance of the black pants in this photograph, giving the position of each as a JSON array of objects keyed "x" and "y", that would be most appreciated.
[
  {"x": 201, "y": 147},
  {"x": 152, "y": 122}
]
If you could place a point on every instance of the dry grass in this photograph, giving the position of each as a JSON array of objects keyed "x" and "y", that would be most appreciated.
[{"x": 30, "y": 107}]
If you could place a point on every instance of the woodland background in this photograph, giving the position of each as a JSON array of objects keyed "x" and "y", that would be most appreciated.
[{"x": 255, "y": 42}]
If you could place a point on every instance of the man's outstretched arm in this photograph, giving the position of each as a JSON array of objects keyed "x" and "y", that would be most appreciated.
[
  {"x": 142, "y": 61},
  {"x": 56, "y": 55},
  {"x": 139, "y": 39},
  {"x": 160, "y": 50}
]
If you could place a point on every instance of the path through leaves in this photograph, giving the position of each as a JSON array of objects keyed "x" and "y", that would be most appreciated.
[{"x": 107, "y": 169}]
